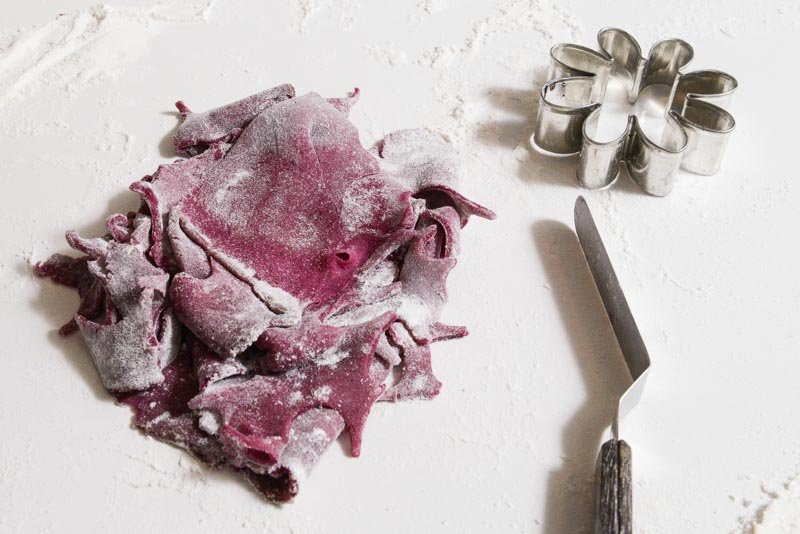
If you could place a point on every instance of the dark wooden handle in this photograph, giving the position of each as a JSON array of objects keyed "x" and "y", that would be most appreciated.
[{"x": 614, "y": 497}]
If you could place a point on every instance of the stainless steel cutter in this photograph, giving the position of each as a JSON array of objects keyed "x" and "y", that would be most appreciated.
[
  {"x": 614, "y": 492},
  {"x": 697, "y": 126}
]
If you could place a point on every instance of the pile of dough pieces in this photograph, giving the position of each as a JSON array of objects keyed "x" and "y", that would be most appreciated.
[{"x": 272, "y": 283}]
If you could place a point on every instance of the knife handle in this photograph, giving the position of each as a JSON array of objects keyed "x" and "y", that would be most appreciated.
[{"x": 614, "y": 495}]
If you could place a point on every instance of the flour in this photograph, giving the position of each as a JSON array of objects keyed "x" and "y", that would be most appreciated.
[
  {"x": 779, "y": 515},
  {"x": 84, "y": 47},
  {"x": 414, "y": 312},
  {"x": 542, "y": 22},
  {"x": 309, "y": 10},
  {"x": 322, "y": 393},
  {"x": 391, "y": 56},
  {"x": 209, "y": 422},
  {"x": 434, "y": 6},
  {"x": 356, "y": 212},
  {"x": 331, "y": 357},
  {"x": 295, "y": 397},
  {"x": 223, "y": 193},
  {"x": 438, "y": 57}
]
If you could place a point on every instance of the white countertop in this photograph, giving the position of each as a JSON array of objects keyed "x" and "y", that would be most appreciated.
[{"x": 711, "y": 271}]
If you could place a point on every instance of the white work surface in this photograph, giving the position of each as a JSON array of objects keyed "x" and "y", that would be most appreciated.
[{"x": 712, "y": 272}]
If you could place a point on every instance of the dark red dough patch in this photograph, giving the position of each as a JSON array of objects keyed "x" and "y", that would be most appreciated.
[{"x": 257, "y": 303}]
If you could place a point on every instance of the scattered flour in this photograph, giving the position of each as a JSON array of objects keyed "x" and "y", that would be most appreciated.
[
  {"x": 392, "y": 56},
  {"x": 434, "y": 6},
  {"x": 209, "y": 422},
  {"x": 542, "y": 19},
  {"x": 84, "y": 47},
  {"x": 420, "y": 383},
  {"x": 295, "y": 397},
  {"x": 308, "y": 10},
  {"x": 322, "y": 393},
  {"x": 331, "y": 357},
  {"x": 186, "y": 475},
  {"x": 414, "y": 311},
  {"x": 536, "y": 23},
  {"x": 779, "y": 515},
  {"x": 438, "y": 57},
  {"x": 356, "y": 212}
]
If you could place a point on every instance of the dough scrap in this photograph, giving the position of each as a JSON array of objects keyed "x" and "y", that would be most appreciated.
[{"x": 256, "y": 305}]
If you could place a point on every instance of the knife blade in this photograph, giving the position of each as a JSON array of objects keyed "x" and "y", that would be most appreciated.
[{"x": 614, "y": 495}]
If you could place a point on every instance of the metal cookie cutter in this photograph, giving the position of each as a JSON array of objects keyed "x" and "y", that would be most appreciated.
[{"x": 697, "y": 127}]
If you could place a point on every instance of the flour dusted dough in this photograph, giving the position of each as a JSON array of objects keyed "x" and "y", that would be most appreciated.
[{"x": 256, "y": 304}]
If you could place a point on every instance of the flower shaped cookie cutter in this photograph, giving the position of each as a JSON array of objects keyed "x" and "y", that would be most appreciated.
[{"x": 696, "y": 128}]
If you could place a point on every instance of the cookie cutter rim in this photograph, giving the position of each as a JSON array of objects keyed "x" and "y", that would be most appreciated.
[{"x": 570, "y": 102}]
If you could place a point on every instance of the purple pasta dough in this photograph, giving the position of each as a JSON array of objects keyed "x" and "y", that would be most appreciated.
[{"x": 257, "y": 303}]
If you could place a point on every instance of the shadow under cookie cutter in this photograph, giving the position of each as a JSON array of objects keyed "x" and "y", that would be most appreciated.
[{"x": 697, "y": 127}]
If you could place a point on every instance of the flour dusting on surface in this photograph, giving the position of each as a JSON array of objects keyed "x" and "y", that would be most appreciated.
[
  {"x": 84, "y": 47},
  {"x": 536, "y": 22},
  {"x": 780, "y": 514}
]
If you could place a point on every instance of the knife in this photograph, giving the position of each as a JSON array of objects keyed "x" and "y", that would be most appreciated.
[{"x": 614, "y": 496}]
